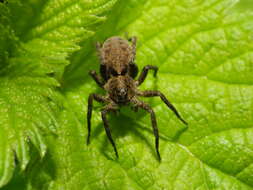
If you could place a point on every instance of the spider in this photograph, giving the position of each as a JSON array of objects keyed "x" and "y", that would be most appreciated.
[{"x": 117, "y": 78}]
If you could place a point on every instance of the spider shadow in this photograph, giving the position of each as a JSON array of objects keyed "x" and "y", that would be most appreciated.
[{"x": 120, "y": 126}]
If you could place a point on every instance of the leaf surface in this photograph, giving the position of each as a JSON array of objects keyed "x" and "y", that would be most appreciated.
[
  {"x": 36, "y": 39},
  {"x": 204, "y": 53}
]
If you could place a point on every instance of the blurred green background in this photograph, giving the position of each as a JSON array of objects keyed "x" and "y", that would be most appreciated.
[{"x": 245, "y": 5}]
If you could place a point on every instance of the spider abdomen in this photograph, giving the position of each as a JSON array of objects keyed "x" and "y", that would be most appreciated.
[{"x": 116, "y": 54}]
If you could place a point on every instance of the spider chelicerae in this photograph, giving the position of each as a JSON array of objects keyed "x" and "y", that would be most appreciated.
[{"x": 117, "y": 78}]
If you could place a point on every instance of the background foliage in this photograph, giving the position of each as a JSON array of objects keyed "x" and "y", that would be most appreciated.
[{"x": 204, "y": 51}]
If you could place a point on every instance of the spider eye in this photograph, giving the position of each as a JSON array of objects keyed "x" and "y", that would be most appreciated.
[{"x": 114, "y": 73}]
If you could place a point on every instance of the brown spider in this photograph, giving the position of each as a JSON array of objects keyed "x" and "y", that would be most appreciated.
[{"x": 118, "y": 71}]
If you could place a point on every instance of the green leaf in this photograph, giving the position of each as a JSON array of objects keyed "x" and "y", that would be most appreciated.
[
  {"x": 8, "y": 40},
  {"x": 31, "y": 51},
  {"x": 21, "y": 120},
  {"x": 204, "y": 53},
  {"x": 56, "y": 28}
]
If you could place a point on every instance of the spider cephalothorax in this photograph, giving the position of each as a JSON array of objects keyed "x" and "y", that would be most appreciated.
[{"x": 118, "y": 71}]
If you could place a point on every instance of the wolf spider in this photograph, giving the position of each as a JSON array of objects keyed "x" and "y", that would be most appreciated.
[{"x": 117, "y": 78}]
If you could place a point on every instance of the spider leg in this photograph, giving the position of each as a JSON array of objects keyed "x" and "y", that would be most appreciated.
[
  {"x": 92, "y": 97},
  {"x": 99, "y": 52},
  {"x": 103, "y": 70},
  {"x": 134, "y": 42},
  {"x": 144, "y": 73},
  {"x": 152, "y": 93},
  {"x": 147, "y": 108},
  {"x": 107, "y": 109},
  {"x": 97, "y": 78},
  {"x": 133, "y": 39},
  {"x": 98, "y": 47},
  {"x": 133, "y": 70},
  {"x": 127, "y": 36}
]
